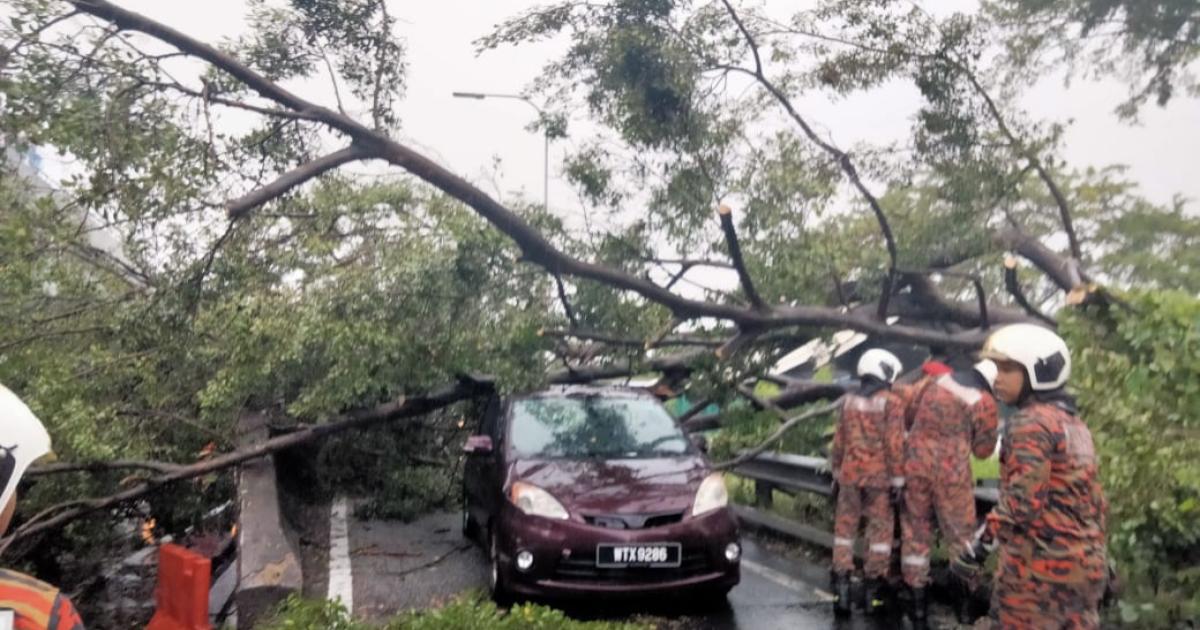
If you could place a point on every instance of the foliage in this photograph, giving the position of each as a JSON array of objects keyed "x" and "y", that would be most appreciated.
[
  {"x": 319, "y": 322},
  {"x": 1137, "y": 373},
  {"x": 469, "y": 611},
  {"x": 1154, "y": 43}
]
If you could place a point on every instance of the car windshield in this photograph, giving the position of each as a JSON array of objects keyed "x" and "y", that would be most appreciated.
[{"x": 594, "y": 426}]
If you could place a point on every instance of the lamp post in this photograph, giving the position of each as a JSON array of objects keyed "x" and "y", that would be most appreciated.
[{"x": 545, "y": 135}]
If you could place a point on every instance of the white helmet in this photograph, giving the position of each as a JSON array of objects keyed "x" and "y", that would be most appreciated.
[
  {"x": 23, "y": 440},
  {"x": 988, "y": 370},
  {"x": 881, "y": 364},
  {"x": 1043, "y": 354}
]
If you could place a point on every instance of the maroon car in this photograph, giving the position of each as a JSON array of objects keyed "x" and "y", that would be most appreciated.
[{"x": 583, "y": 490}]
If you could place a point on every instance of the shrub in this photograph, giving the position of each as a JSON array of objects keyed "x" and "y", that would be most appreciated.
[
  {"x": 469, "y": 611},
  {"x": 1137, "y": 374}
]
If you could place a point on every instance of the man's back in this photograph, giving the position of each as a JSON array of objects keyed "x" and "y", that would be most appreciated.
[
  {"x": 950, "y": 419},
  {"x": 36, "y": 605}
]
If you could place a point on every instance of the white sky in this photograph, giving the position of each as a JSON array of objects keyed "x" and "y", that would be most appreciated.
[{"x": 467, "y": 135}]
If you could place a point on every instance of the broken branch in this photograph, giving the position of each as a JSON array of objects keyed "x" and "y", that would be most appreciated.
[
  {"x": 57, "y": 516},
  {"x": 735, "y": 255},
  {"x": 1013, "y": 285}
]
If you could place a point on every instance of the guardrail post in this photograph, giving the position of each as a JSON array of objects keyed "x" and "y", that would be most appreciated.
[{"x": 763, "y": 494}]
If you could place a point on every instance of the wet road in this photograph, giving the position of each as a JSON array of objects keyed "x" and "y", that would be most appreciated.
[{"x": 382, "y": 567}]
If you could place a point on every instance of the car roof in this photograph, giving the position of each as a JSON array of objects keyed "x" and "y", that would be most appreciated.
[{"x": 602, "y": 391}]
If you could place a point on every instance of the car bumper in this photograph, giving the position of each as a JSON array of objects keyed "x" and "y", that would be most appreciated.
[{"x": 564, "y": 556}]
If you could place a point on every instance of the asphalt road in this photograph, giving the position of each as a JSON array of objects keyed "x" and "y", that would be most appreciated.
[{"x": 383, "y": 567}]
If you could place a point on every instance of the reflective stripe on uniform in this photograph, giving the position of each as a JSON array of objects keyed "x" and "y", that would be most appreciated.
[
  {"x": 881, "y": 548},
  {"x": 916, "y": 561},
  {"x": 843, "y": 542},
  {"x": 867, "y": 405},
  {"x": 968, "y": 395}
]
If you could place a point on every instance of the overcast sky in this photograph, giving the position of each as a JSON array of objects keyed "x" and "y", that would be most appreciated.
[{"x": 466, "y": 135}]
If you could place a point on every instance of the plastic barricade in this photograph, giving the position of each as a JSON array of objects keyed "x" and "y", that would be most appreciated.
[{"x": 181, "y": 595}]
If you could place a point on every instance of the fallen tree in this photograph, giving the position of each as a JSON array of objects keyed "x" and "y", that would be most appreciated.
[{"x": 408, "y": 407}]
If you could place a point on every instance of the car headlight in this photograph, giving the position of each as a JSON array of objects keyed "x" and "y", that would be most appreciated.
[
  {"x": 534, "y": 501},
  {"x": 712, "y": 495}
]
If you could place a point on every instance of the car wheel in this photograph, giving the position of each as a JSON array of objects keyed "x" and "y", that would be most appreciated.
[
  {"x": 713, "y": 600},
  {"x": 499, "y": 590}
]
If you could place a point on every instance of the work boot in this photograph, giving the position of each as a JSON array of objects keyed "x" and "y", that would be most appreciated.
[
  {"x": 841, "y": 590},
  {"x": 919, "y": 609},
  {"x": 963, "y": 606},
  {"x": 873, "y": 596}
]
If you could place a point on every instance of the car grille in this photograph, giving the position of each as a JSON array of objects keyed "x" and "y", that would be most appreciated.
[
  {"x": 632, "y": 521},
  {"x": 581, "y": 567}
]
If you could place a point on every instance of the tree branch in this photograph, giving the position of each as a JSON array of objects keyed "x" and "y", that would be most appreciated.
[
  {"x": 1014, "y": 288},
  {"x": 566, "y": 304},
  {"x": 735, "y": 255},
  {"x": 533, "y": 244},
  {"x": 1064, "y": 209},
  {"x": 694, "y": 410},
  {"x": 750, "y": 454},
  {"x": 750, "y": 41},
  {"x": 60, "y": 515},
  {"x": 629, "y": 342},
  {"x": 737, "y": 343},
  {"x": 1063, "y": 271},
  {"x": 656, "y": 340},
  {"x": 922, "y": 285},
  {"x": 95, "y": 467},
  {"x": 669, "y": 364},
  {"x": 840, "y": 157},
  {"x": 241, "y": 206}
]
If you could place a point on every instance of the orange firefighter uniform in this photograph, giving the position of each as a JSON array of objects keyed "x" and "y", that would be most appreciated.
[
  {"x": 948, "y": 417},
  {"x": 35, "y": 605},
  {"x": 867, "y": 456},
  {"x": 1049, "y": 525}
]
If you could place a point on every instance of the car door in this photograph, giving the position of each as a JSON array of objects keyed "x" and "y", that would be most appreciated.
[{"x": 480, "y": 469}]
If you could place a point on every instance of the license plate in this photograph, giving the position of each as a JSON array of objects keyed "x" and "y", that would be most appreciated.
[{"x": 638, "y": 555}]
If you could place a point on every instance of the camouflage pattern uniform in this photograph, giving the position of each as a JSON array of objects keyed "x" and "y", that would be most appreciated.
[
  {"x": 950, "y": 419},
  {"x": 36, "y": 605},
  {"x": 1050, "y": 523},
  {"x": 867, "y": 454}
]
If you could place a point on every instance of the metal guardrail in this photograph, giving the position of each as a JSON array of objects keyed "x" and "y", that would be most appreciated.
[{"x": 795, "y": 474}]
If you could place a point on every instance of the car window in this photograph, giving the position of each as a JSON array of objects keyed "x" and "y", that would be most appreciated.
[{"x": 594, "y": 426}]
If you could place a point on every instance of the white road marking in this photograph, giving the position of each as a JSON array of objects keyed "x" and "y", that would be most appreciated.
[
  {"x": 341, "y": 575},
  {"x": 785, "y": 580}
]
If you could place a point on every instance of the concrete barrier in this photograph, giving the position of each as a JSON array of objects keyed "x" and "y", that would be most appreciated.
[{"x": 268, "y": 556}]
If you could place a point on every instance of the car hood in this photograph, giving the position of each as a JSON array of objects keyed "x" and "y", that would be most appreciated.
[{"x": 619, "y": 486}]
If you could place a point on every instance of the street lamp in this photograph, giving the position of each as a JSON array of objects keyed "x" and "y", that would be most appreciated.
[{"x": 545, "y": 134}]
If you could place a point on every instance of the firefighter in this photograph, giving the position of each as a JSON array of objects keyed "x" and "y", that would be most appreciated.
[
  {"x": 866, "y": 462},
  {"x": 1049, "y": 525},
  {"x": 948, "y": 416},
  {"x": 25, "y": 603}
]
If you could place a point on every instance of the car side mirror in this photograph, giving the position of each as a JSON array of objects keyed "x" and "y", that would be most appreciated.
[
  {"x": 700, "y": 442},
  {"x": 478, "y": 445}
]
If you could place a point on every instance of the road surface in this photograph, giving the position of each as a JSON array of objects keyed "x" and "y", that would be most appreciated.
[{"x": 379, "y": 568}]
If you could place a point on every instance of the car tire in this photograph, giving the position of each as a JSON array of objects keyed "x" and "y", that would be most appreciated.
[
  {"x": 496, "y": 585},
  {"x": 714, "y": 599}
]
